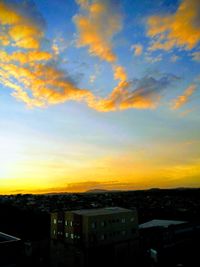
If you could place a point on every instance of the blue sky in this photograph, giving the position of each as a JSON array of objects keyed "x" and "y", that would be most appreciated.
[{"x": 99, "y": 94}]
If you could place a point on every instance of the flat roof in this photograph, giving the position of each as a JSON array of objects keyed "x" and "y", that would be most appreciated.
[
  {"x": 160, "y": 223},
  {"x": 7, "y": 238},
  {"x": 101, "y": 211}
]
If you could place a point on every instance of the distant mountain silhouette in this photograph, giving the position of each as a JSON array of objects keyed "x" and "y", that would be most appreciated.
[{"x": 97, "y": 190}]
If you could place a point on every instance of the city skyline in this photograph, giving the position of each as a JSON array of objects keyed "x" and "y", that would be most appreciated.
[{"x": 99, "y": 94}]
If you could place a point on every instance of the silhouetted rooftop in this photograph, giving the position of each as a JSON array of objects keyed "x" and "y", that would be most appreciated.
[
  {"x": 101, "y": 211},
  {"x": 7, "y": 238},
  {"x": 160, "y": 223}
]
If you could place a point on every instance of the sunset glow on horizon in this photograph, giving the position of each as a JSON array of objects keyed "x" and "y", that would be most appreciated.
[{"x": 99, "y": 94}]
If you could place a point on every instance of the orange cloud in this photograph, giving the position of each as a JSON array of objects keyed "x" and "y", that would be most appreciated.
[
  {"x": 183, "y": 99},
  {"x": 181, "y": 29},
  {"x": 25, "y": 57},
  {"x": 137, "y": 49},
  {"x": 17, "y": 30},
  {"x": 40, "y": 85},
  {"x": 27, "y": 70},
  {"x": 36, "y": 80},
  {"x": 119, "y": 73},
  {"x": 141, "y": 94},
  {"x": 97, "y": 25}
]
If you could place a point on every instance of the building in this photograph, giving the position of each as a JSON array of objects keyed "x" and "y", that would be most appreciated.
[
  {"x": 170, "y": 242},
  {"x": 107, "y": 234},
  {"x": 10, "y": 250},
  {"x": 94, "y": 227}
]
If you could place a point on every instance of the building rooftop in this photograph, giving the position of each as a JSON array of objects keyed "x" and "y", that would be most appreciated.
[
  {"x": 160, "y": 223},
  {"x": 7, "y": 238},
  {"x": 101, "y": 211}
]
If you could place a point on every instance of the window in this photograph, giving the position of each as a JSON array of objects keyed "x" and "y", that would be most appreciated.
[
  {"x": 132, "y": 219},
  {"x": 66, "y": 235},
  {"x": 123, "y": 220},
  {"x": 66, "y": 223},
  {"x": 54, "y": 232},
  {"x": 123, "y": 232},
  {"x": 93, "y": 225},
  {"x": 71, "y": 223},
  {"x": 60, "y": 233},
  {"x": 103, "y": 223},
  {"x": 72, "y": 236},
  {"x": 54, "y": 221}
]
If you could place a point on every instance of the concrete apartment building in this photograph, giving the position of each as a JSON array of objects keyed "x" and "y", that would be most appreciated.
[
  {"x": 106, "y": 234},
  {"x": 94, "y": 227}
]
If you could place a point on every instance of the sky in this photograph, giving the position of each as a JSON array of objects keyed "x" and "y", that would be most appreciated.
[{"x": 99, "y": 94}]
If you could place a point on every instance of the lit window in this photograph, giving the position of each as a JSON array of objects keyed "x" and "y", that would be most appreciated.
[
  {"x": 66, "y": 223},
  {"x": 54, "y": 232},
  {"x": 54, "y": 221},
  {"x": 123, "y": 220},
  {"x": 71, "y": 223},
  {"x": 67, "y": 235},
  {"x": 72, "y": 236}
]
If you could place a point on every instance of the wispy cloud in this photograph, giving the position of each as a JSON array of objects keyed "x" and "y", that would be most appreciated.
[
  {"x": 141, "y": 94},
  {"x": 181, "y": 29},
  {"x": 196, "y": 56},
  {"x": 97, "y": 23},
  {"x": 17, "y": 30},
  {"x": 138, "y": 49},
  {"x": 184, "y": 98},
  {"x": 28, "y": 70},
  {"x": 174, "y": 58},
  {"x": 153, "y": 59},
  {"x": 34, "y": 76}
]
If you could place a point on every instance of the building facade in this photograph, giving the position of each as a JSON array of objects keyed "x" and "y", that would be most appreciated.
[
  {"x": 106, "y": 234},
  {"x": 94, "y": 227}
]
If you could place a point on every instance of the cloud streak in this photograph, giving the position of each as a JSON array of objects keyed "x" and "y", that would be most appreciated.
[
  {"x": 28, "y": 70},
  {"x": 17, "y": 30},
  {"x": 196, "y": 56},
  {"x": 138, "y": 49},
  {"x": 144, "y": 93},
  {"x": 34, "y": 76},
  {"x": 97, "y": 24},
  {"x": 184, "y": 98},
  {"x": 181, "y": 29}
]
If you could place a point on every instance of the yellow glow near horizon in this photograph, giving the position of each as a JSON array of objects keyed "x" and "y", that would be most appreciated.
[
  {"x": 80, "y": 110},
  {"x": 125, "y": 171}
]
